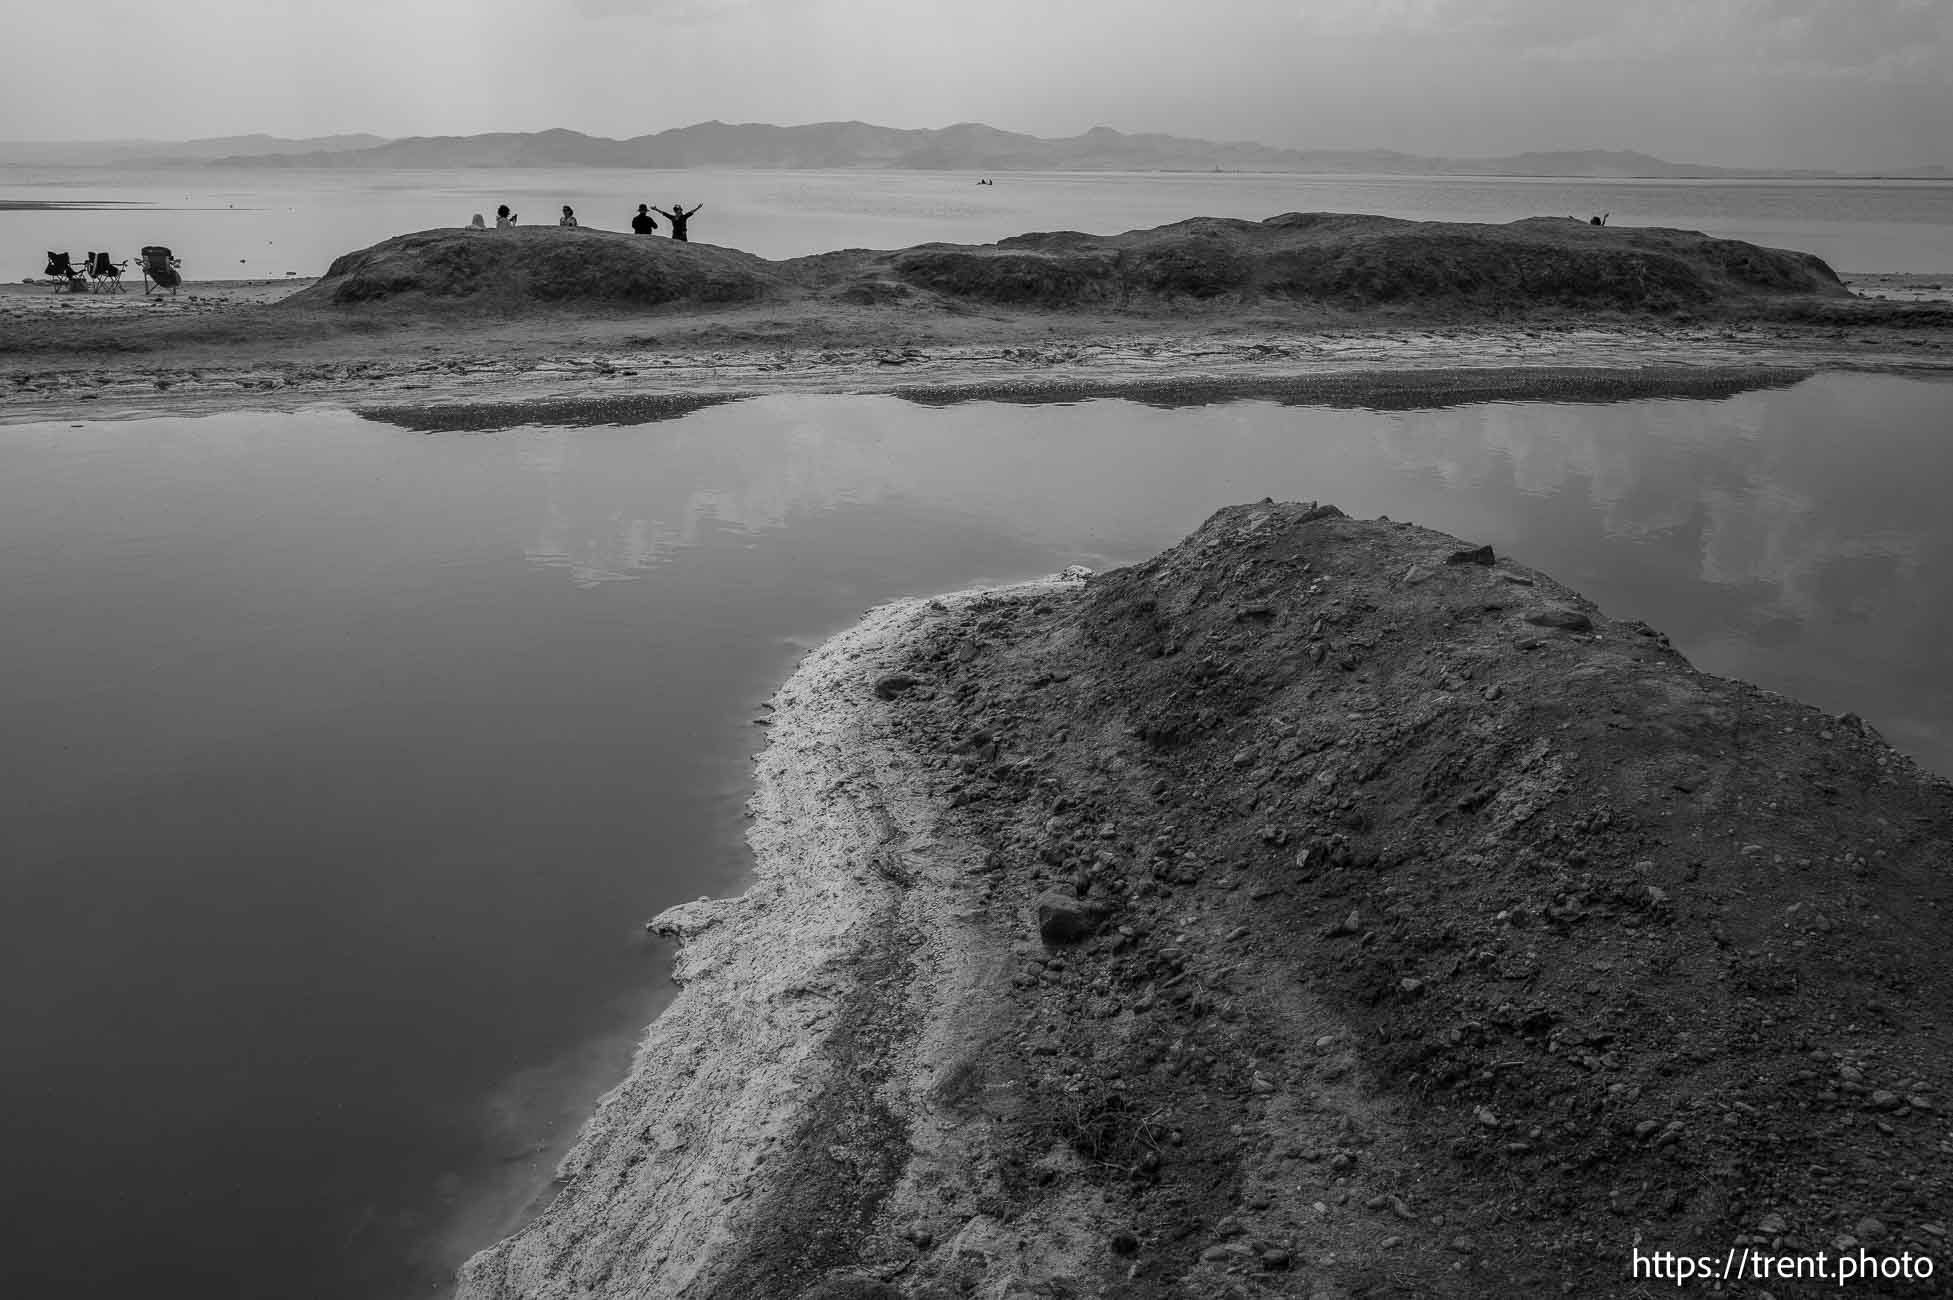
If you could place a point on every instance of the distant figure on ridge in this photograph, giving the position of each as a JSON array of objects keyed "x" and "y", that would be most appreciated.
[
  {"x": 478, "y": 223},
  {"x": 678, "y": 217},
  {"x": 642, "y": 224},
  {"x": 1601, "y": 220},
  {"x": 504, "y": 218},
  {"x": 568, "y": 219}
]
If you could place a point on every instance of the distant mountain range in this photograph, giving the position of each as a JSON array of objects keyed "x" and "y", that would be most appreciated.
[
  {"x": 228, "y": 147},
  {"x": 967, "y": 146}
]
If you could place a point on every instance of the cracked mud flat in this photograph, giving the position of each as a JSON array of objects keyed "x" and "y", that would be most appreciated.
[{"x": 1442, "y": 936}]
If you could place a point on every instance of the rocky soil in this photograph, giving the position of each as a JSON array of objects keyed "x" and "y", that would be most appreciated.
[
  {"x": 1334, "y": 908},
  {"x": 1456, "y": 936}
]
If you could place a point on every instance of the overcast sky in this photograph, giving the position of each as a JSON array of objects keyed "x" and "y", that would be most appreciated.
[{"x": 1796, "y": 83}]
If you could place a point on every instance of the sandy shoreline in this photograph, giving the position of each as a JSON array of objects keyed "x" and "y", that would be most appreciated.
[
  {"x": 846, "y": 958},
  {"x": 487, "y": 392},
  {"x": 67, "y": 357}
]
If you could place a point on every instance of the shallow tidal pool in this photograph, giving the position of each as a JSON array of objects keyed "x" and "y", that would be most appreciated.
[{"x": 344, "y": 762}]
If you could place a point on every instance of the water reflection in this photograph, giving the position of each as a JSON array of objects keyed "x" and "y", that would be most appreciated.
[
  {"x": 1423, "y": 389},
  {"x": 1791, "y": 538},
  {"x": 1782, "y": 533},
  {"x": 568, "y": 412}
]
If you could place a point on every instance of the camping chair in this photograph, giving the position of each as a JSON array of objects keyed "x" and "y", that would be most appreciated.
[
  {"x": 159, "y": 268},
  {"x": 61, "y": 270},
  {"x": 100, "y": 269}
]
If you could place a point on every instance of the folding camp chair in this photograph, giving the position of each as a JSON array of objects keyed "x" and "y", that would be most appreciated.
[
  {"x": 159, "y": 268},
  {"x": 61, "y": 270},
  {"x": 100, "y": 268}
]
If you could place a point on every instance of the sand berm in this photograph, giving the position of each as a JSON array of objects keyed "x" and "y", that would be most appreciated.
[
  {"x": 1323, "y": 908},
  {"x": 1352, "y": 260}
]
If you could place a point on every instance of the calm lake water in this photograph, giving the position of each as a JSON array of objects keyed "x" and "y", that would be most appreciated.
[
  {"x": 246, "y": 223},
  {"x": 344, "y": 763}
]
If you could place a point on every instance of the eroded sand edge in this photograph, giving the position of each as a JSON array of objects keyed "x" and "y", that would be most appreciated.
[{"x": 848, "y": 931}]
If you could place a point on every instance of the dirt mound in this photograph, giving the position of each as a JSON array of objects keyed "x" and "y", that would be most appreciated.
[
  {"x": 1341, "y": 261},
  {"x": 1366, "y": 261},
  {"x": 1463, "y": 939},
  {"x": 507, "y": 269}
]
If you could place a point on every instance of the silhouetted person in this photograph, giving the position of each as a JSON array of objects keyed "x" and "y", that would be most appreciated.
[
  {"x": 678, "y": 217},
  {"x": 642, "y": 224},
  {"x": 568, "y": 219},
  {"x": 504, "y": 218},
  {"x": 1601, "y": 220}
]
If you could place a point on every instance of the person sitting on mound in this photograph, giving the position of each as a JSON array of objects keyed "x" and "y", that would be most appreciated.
[
  {"x": 678, "y": 217},
  {"x": 642, "y": 224},
  {"x": 504, "y": 218},
  {"x": 477, "y": 223},
  {"x": 568, "y": 219}
]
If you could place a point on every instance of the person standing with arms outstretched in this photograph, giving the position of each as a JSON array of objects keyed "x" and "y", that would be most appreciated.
[{"x": 678, "y": 217}]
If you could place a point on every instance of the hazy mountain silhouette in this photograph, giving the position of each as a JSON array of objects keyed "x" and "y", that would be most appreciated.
[
  {"x": 259, "y": 144},
  {"x": 967, "y": 146},
  {"x": 226, "y": 147}
]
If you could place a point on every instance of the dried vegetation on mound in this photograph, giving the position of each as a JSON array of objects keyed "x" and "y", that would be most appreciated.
[
  {"x": 1451, "y": 938},
  {"x": 1340, "y": 261},
  {"x": 1366, "y": 261},
  {"x": 545, "y": 265}
]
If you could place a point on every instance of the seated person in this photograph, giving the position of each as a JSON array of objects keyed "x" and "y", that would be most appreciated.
[
  {"x": 504, "y": 218},
  {"x": 568, "y": 219}
]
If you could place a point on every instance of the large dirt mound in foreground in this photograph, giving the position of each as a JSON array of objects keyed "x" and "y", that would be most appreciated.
[
  {"x": 1461, "y": 939},
  {"x": 1325, "y": 909},
  {"x": 1338, "y": 261},
  {"x": 543, "y": 265},
  {"x": 1363, "y": 261}
]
